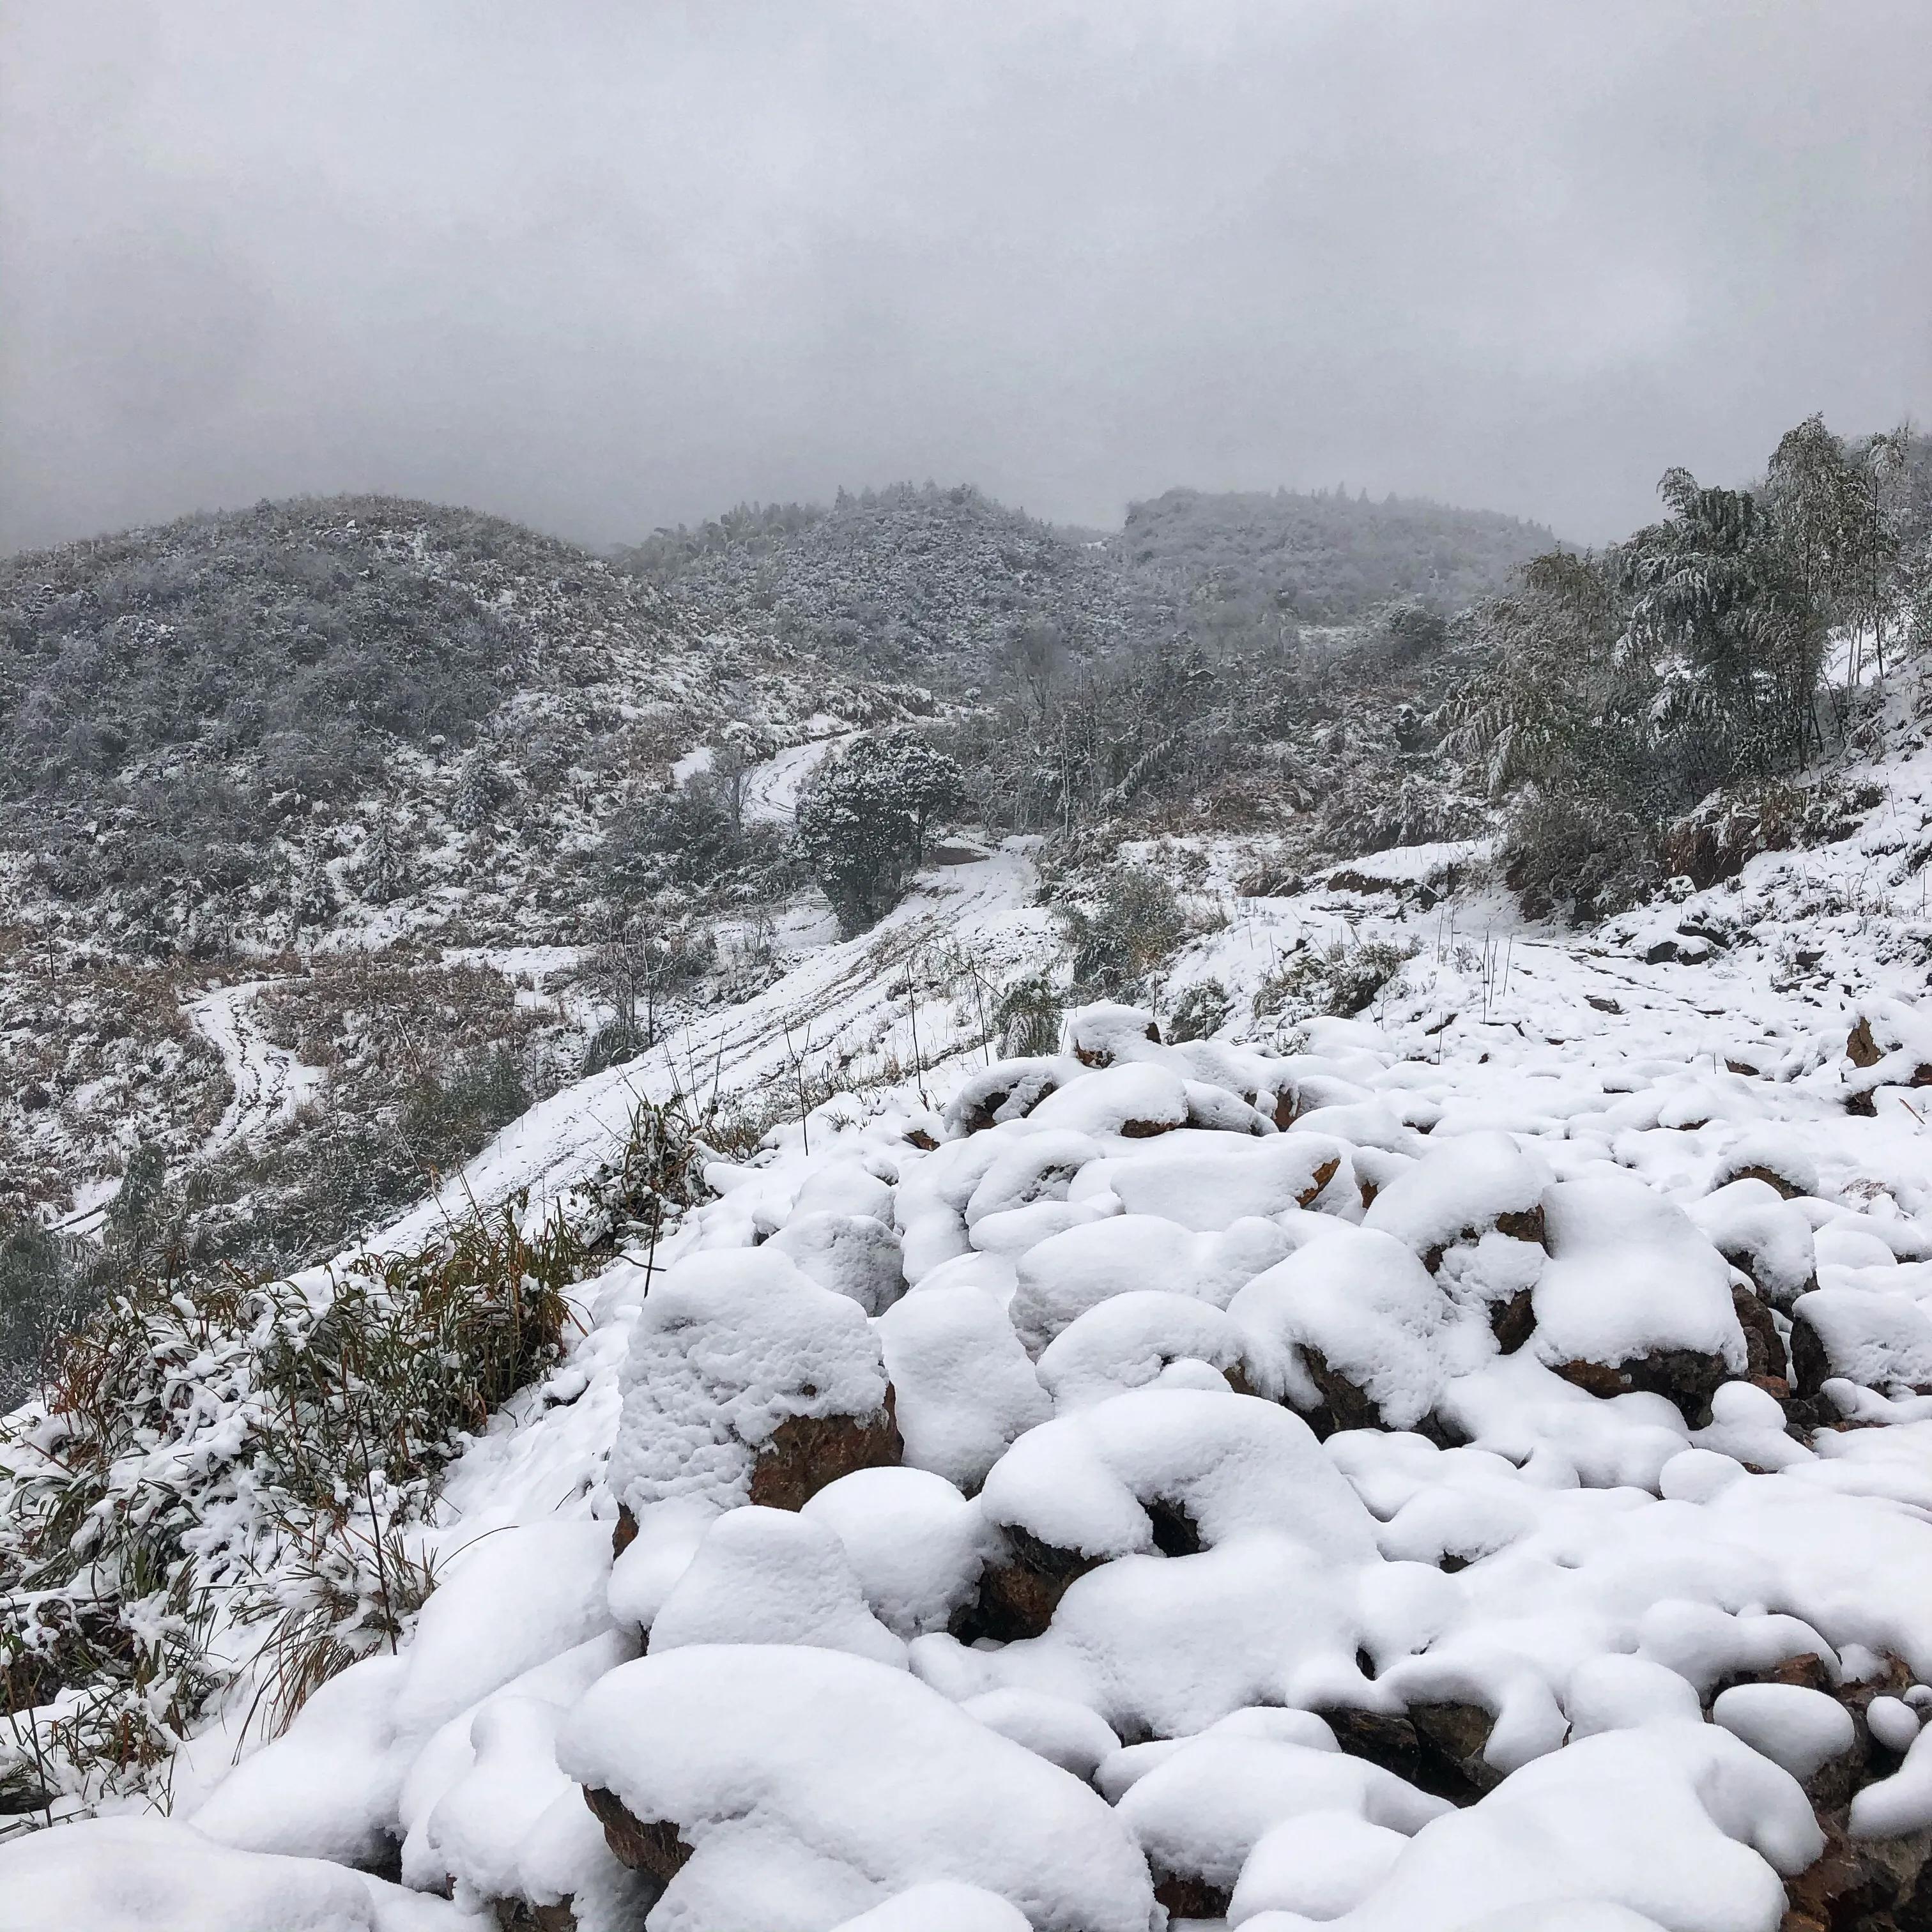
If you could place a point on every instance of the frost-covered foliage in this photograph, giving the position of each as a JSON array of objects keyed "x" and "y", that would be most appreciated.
[
  {"x": 864, "y": 818},
  {"x": 1123, "y": 936},
  {"x": 1242, "y": 563},
  {"x": 187, "y": 689},
  {"x": 209, "y": 1451},
  {"x": 1613, "y": 692},
  {"x": 1341, "y": 978}
]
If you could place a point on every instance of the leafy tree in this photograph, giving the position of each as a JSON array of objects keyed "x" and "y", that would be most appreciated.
[
  {"x": 1733, "y": 631},
  {"x": 864, "y": 818}
]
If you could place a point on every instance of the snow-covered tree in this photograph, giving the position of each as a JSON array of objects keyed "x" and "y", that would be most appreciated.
[
  {"x": 382, "y": 859},
  {"x": 312, "y": 895},
  {"x": 863, "y": 820},
  {"x": 477, "y": 791}
]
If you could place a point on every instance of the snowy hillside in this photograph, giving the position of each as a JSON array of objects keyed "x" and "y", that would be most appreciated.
[
  {"x": 247, "y": 748},
  {"x": 1465, "y": 1466}
]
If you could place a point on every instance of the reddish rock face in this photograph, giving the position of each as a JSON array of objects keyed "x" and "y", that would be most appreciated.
[
  {"x": 644, "y": 1845},
  {"x": 807, "y": 1452},
  {"x": 1764, "y": 1351},
  {"x": 1454, "y": 1735},
  {"x": 1017, "y": 1596},
  {"x": 1190, "y": 1897},
  {"x": 1685, "y": 1377}
]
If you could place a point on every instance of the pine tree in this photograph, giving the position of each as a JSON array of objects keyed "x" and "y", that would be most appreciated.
[
  {"x": 312, "y": 895},
  {"x": 382, "y": 859},
  {"x": 477, "y": 790}
]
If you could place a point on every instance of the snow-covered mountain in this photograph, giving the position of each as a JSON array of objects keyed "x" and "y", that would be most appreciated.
[{"x": 1466, "y": 1466}]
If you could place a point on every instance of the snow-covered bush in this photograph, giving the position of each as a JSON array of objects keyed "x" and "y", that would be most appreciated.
[
  {"x": 865, "y": 816},
  {"x": 1123, "y": 939},
  {"x": 212, "y": 1449}
]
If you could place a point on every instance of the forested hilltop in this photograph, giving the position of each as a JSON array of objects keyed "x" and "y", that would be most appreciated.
[
  {"x": 1240, "y": 560},
  {"x": 936, "y": 577},
  {"x": 941, "y": 578},
  {"x": 265, "y": 769}
]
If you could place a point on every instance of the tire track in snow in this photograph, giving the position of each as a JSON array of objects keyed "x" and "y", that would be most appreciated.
[{"x": 267, "y": 1082}]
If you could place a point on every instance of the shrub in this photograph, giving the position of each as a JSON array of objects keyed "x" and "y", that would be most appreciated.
[
  {"x": 1583, "y": 859},
  {"x": 1340, "y": 979},
  {"x": 1027, "y": 1020},
  {"x": 1123, "y": 941},
  {"x": 41, "y": 1293},
  {"x": 1201, "y": 1012},
  {"x": 688, "y": 836},
  {"x": 134, "y": 1526}
]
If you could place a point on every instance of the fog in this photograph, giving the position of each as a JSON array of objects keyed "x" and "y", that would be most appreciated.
[{"x": 604, "y": 267}]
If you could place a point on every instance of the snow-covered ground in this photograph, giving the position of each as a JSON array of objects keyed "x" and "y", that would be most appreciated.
[
  {"x": 1466, "y": 1468},
  {"x": 771, "y": 791}
]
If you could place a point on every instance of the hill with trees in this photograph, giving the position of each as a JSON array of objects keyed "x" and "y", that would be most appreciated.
[
  {"x": 907, "y": 577},
  {"x": 943, "y": 580},
  {"x": 1241, "y": 562}
]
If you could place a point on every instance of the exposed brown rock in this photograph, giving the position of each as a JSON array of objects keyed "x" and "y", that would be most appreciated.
[
  {"x": 985, "y": 1114},
  {"x": 1325, "y": 1173},
  {"x": 625, "y": 1534},
  {"x": 1017, "y": 1596},
  {"x": 1376, "y": 1737},
  {"x": 1188, "y": 1897},
  {"x": 1771, "y": 1177},
  {"x": 646, "y": 1845},
  {"x": 1861, "y": 1049},
  {"x": 1454, "y": 1736},
  {"x": 1523, "y": 1224},
  {"x": 1686, "y": 1377},
  {"x": 1514, "y": 1321},
  {"x": 517, "y": 1915},
  {"x": 1764, "y": 1350},
  {"x": 807, "y": 1452},
  {"x": 1863, "y": 1885},
  {"x": 1145, "y": 1130},
  {"x": 1098, "y": 1056},
  {"x": 1344, "y": 1405}
]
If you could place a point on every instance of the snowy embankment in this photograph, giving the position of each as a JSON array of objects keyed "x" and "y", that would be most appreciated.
[{"x": 1469, "y": 1468}]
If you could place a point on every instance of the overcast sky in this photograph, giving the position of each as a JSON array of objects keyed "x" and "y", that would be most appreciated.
[{"x": 604, "y": 266}]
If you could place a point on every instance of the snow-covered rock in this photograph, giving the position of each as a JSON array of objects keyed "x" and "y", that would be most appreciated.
[
  {"x": 804, "y": 1787},
  {"x": 747, "y": 1382}
]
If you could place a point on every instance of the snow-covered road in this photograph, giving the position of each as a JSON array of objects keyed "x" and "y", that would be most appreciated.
[
  {"x": 772, "y": 789},
  {"x": 267, "y": 1082}
]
